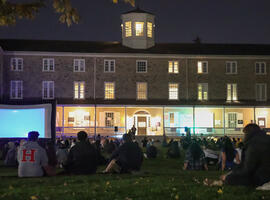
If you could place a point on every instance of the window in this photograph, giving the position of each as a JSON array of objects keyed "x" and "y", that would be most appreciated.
[
  {"x": 231, "y": 67},
  {"x": 232, "y": 120},
  {"x": 231, "y": 92},
  {"x": 149, "y": 29},
  {"x": 109, "y": 65},
  {"x": 173, "y": 67},
  {"x": 141, "y": 91},
  {"x": 79, "y": 90},
  {"x": 173, "y": 91},
  {"x": 109, "y": 119},
  {"x": 261, "y": 92},
  {"x": 203, "y": 91},
  {"x": 260, "y": 68},
  {"x": 48, "y": 89},
  {"x": 202, "y": 67},
  {"x": 16, "y": 64},
  {"x": 79, "y": 65},
  {"x": 109, "y": 90},
  {"x": 139, "y": 28},
  {"x": 141, "y": 66},
  {"x": 48, "y": 64},
  {"x": 16, "y": 89},
  {"x": 128, "y": 29}
]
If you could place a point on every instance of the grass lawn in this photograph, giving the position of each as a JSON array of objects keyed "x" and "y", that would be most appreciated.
[{"x": 160, "y": 178}]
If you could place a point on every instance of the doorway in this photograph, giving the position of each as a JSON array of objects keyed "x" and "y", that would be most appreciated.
[{"x": 142, "y": 125}]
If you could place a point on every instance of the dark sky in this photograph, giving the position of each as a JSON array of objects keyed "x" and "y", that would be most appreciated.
[{"x": 214, "y": 21}]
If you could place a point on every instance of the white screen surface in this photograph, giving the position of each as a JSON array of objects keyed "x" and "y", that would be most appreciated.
[{"x": 16, "y": 121}]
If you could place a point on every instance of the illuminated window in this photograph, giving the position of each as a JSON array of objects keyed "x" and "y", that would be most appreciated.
[
  {"x": 48, "y": 89},
  {"x": 109, "y": 119},
  {"x": 231, "y": 92},
  {"x": 173, "y": 67},
  {"x": 16, "y": 64},
  {"x": 203, "y": 91},
  {"x": 202, "y": 67},
  {"x": 16, "y": 89},
  {"x": 261, "y": 92},
  {"x": 109, "y": 90},
  {"x": 48, "y": 65},
  {"x": 109, "y": 65},
  {"x": 141, "y": 66},
  {"x": 139, "y": 28},
  {"x": 79, "y": 65},
  {"x": 231, "y": 67},
  {"x": 141, "y": 91},
  {"x": 260, "y": 68},
  {"x": 149, "y": 29},
  {"x": 173, "y": 91},
  {"x": 79, "y": 88},
  {"x": 128, "y": 29}
]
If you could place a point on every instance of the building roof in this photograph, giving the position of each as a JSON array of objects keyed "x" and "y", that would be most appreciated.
[
  {"x": 117, "y": 47},
  {"x": 137, "y": 10}
]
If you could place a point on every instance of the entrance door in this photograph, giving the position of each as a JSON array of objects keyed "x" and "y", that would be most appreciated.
[
  {"x": 141, "y": 125},
  {"x": 261, "y": 122}
]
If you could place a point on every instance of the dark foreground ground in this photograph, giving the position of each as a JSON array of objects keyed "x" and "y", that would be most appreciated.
[{"x": 160, "y": 178}]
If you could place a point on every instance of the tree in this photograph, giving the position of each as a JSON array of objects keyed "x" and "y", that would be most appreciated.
[{"x": 11, "y": 12}]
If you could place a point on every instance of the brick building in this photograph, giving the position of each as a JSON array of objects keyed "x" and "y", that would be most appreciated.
[{"x": 214, "y": 89}]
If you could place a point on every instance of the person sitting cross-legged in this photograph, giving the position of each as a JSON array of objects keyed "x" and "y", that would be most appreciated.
[
  {"x": 128, "y": 157},
  {"x": 195, "y": 158},
  {"x": 82, "y": 157},
  {"x": 32, "y": 158}
]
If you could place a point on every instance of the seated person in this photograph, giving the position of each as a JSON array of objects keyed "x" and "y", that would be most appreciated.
[
  {"x": 126, "y": 158},
  {"x": 228, "y": 155},
  {"x": 254, "y": 169},
  {"x": 82, "y": 157},
  {"x": 173, "y": 151},
  {"x": 194, "y": 159},
  {"x": 151, "y": 151},
  {"x": 11, "y": 156},
  {"x": 32, "y": 158}
]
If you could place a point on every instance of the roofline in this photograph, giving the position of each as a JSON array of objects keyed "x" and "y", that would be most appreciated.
[{"x": 133, "y": 55}]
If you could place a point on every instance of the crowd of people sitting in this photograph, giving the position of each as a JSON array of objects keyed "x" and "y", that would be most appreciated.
[{"x": 246, "y": 161}]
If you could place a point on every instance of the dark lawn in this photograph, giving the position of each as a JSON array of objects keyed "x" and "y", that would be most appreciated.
[{"x": 159, "y": 179}]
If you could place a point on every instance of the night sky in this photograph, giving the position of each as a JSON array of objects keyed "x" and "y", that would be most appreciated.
[{"x": 177, "y": 21}]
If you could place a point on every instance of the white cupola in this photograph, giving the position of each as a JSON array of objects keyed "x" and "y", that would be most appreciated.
[{"x": 138, "y": 29}]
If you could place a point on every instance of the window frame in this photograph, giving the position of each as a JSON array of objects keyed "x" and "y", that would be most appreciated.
[
  {"x": 48, "y": 90},
  {"x": 79, "y": 66},
  {"x": 149, "y": 30},
  {"x": 137, "y": 92},
  {"x": 15, "y": 68},
  {"x": 232, "y": 92},
  {"x": 105, "y": 90},
  {"x": 260, "y": 68},
  {"x": 109, "y": 66},
  {"x": 79, "y": 90},
  {"x": 236, "y": 66},
  {"x": 173, "y": 67},
  {"x": 202, "y": 84},
  {"x": 146, "y": 66},
  {"x": 257, "y": 94},
  {"x": 16, "y": 89},
  {"x": 129, "y": 30},
  {"x": 48, "y": 60},
  {"x": 202, "y": 67},
  {"x": 142, "y": 32},
  {"x": 169, "y": 92}
]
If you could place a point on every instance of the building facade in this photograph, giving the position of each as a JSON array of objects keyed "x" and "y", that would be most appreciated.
[{"x": 107, "y": 87}]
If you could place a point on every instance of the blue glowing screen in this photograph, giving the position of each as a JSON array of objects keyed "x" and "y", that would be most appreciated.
[{"x": 18, "y": 122}]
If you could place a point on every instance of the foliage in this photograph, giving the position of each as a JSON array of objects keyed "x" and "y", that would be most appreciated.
[{"x": 10, "y": 12}]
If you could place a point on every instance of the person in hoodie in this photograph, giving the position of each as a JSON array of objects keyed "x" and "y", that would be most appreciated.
[
  {"x": 254, "y": 169},
  {"x": 32, "y": 158}
]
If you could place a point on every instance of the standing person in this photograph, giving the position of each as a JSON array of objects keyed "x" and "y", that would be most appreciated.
[
  {"x": 32, "y": 158},
  {"x": 254, "y": 169},
  {"x": 133, "y": 130},
  {"x": 82, "y": 157}
]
